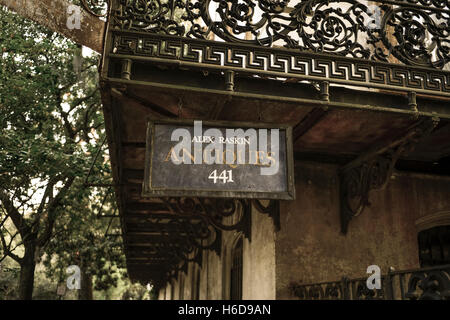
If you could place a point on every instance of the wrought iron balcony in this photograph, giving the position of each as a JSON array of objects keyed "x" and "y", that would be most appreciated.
[
  {"x": 401, "y": 45},
  {"x": 421, "y": 284}
]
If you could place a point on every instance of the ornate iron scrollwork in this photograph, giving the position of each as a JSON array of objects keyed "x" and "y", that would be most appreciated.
[
  {"x": 401, "y": 45},
  {"x": 362, "y": 292},
  {"x": 422, "y": 284},
  {"x": 416, "y": 32},
  {"x": 421, "y": 35},
  {"x": 190, "y": 226},
  {"x": 201, "y": 235},
  {"x": 373, "y": 170},
  {"x": 321, "y": 291},
  {"x": 193, "y": 225},
  {"x": 98, "y": 8},
  {"x": 176, "y": 241},
  {"x": 224, "y": 214},
  {"x": 272, "y": 210},
  {"x": 434, "y": 285},
  {"x": 355, "y": 184}
]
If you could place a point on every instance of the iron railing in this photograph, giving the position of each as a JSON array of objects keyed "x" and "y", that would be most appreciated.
[
  {"x": 401, "y": 45},
  {"x": 419, "y": 284}
]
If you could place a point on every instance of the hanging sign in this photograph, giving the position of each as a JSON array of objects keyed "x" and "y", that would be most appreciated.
[{"x": 218, "y": 159}]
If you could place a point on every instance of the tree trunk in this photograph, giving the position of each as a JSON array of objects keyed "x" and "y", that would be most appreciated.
[
  {"x": 54, "y": 15},
  {"x": 86, "y": 292},
  {"x": 26, "y": 280}
]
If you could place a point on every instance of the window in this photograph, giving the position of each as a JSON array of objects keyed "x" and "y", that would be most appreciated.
[
  {"x": 434, "y": 246},
  {"x": 236, "y": 271}
]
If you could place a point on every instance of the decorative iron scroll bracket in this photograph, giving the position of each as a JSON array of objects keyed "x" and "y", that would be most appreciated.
[
  {"x": 97, "y": 8},
  {"x": 373, "y": 169},
  {"x": 223, "y": 214},
  {"x": 178, "y": 240},
  {"x": 395, "y": 45},
  {"x": 272, "y": 210},
  {"x": 189, "y": 238},
  {"x": 194, "y": 225}
]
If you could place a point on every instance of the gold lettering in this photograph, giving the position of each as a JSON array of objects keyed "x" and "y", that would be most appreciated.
[
  {"x": 271, "y": 158},
  {"x": 171, "y": 153},
  {"x": 189, "y": 155},
  {"x": 259, "y": 156},
  {"x": 231, "y": 165},
  {"x": 239, "y": 157},
  {"x": 216, "y": 156},
  {"x": 174, "y": 155}
]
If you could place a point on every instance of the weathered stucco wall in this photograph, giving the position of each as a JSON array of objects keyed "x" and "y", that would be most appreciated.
[
  {"x": 259, "y": 260},
  {"x": 210, "y": 275},
  {"x": 311, "y": 248}
]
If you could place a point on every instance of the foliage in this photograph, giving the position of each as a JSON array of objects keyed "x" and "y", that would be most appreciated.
[
  {"x": 136, "y": 292},
  {"x": 51, "y": 126},
  {"x": 83, "y": 241},
  {"x": 8, "y": 284}
]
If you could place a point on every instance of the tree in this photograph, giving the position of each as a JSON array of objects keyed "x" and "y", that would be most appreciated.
[
  {"x": 8, "y": 275},
  {"x": 50, "y": 122},
  {"x": 84, "y": 241},
  {"x": 136, "y": 292}
]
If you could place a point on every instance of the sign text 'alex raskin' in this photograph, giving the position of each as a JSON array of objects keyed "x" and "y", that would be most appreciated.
[{"x": 217, "y": 159}]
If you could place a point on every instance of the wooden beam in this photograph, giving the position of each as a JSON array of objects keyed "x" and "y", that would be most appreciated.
[
  {"x": 133, "y": 174},
  {"x": 309, "y": 121},
  {"x": 145, "y": 207},
  {"x": 215, "y": 112},
  {"x": 54, "y": 15},
  {"x": 157, "y": 110},
  {"x": 134, "y": 144},
  {"x": 420, "y": 129}
]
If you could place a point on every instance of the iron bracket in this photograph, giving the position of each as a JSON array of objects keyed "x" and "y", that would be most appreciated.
[{"x": 373, "y": 169}]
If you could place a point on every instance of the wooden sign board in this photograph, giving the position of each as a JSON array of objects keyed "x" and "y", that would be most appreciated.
[{"x": 218, "y": 159}]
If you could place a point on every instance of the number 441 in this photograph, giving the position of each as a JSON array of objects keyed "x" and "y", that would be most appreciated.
[{"x": 225, "y": 176}]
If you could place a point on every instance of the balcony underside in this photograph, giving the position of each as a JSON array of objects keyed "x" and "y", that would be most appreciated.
[{"x": 335, "y": 131}]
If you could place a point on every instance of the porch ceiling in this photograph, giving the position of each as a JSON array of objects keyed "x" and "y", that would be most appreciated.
[
  {"x": 327, "y": 131},
  {"x": 333, "y": 93}
]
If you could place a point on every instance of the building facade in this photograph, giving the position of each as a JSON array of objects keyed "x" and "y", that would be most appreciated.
[
  {"x": 365, "y": 88},
  {"x": 309, "y": 246}
]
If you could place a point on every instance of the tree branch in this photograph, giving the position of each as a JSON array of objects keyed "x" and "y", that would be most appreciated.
[
  {"x": 47, "y": 194},
  {"x": 54, "y": 15},
  {"x": 7, "y": 251},
  {"x": 51, "y": 212},
  {"x": 14, "y": 214}
]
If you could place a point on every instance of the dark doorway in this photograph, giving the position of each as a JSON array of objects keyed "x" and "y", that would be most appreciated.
[{"x": 434, "y": 246}]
